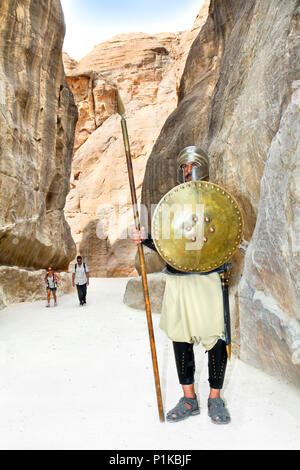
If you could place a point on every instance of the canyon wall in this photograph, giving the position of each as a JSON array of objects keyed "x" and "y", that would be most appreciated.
[
  {"x": 37, "y": 122},
  {"x": 239, "y": 99},
  {"x": 146, "y": 69}
]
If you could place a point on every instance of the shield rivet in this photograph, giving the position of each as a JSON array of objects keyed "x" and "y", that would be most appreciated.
[
  {"x": 211, "y": 229},
  {"x": 205, "y": 239},
  {"x": 207, "y": 219}
]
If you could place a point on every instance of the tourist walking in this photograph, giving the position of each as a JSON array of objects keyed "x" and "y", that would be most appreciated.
[
  {"x": 80, "y": 278},
  {"x": 51, "y": 280}
]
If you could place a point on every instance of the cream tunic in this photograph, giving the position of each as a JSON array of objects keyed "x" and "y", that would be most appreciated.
[{"x": 192, "y": 309}]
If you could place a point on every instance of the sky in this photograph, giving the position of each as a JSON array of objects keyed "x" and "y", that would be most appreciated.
[{"x": 89, "y": 22}]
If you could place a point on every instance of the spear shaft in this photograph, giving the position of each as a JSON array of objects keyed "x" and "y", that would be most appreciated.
[{"x": 121, "y": 111}]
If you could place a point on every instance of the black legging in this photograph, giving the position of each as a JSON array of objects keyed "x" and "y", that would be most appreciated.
[{"x": 185, "y": 363}]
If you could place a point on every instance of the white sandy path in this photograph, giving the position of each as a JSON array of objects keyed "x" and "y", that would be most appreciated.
[{"x": 81, "y": 378}]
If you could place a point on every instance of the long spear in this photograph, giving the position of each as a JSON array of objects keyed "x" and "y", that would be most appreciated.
[{"x": 121, "y": 111}]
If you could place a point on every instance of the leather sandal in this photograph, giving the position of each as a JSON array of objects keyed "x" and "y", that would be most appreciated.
[
  {"x": 181, "y": 411},
  {"x": 218, "y": 411}
]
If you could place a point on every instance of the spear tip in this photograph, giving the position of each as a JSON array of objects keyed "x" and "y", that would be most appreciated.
[{"x": 120, "y": 105}]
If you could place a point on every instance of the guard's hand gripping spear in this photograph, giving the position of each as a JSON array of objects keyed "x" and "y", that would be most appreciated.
[{"x": 121, "y": 111}]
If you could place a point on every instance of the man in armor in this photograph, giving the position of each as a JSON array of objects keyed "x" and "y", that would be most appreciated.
[{"x": 193, "y": 313}]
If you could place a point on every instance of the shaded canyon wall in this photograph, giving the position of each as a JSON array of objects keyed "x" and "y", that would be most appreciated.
[{"x": 37, "y": 122}]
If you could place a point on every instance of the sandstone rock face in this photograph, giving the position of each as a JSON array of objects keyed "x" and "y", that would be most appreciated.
[
  {"x": 95, "y": 98},
  {"x": 146, "y": 70},
  {"x": 269, "y": 289},
  {"x": 153, "y": 262},
  {"x": 239, "y": 100},
  {"x": 134, "y": 294},
  {"x": 69, "y": 62},
  {"x": 37, "y": 123},
  {"x": 25, "y": 285}
]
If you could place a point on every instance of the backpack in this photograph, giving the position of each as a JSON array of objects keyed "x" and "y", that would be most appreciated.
[
  {"x": 54, "y": 280},
  {"x": 83, "y": 267}
]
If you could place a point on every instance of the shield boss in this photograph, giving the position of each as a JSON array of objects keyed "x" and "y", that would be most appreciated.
[{"x": 197, "y": 226}]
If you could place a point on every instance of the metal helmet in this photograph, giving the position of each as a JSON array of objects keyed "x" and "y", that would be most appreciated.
[{"x": 193, "y": 154}]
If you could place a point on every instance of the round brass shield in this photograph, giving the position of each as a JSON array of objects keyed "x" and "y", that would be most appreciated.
[{"x": 197, "y": 226}]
